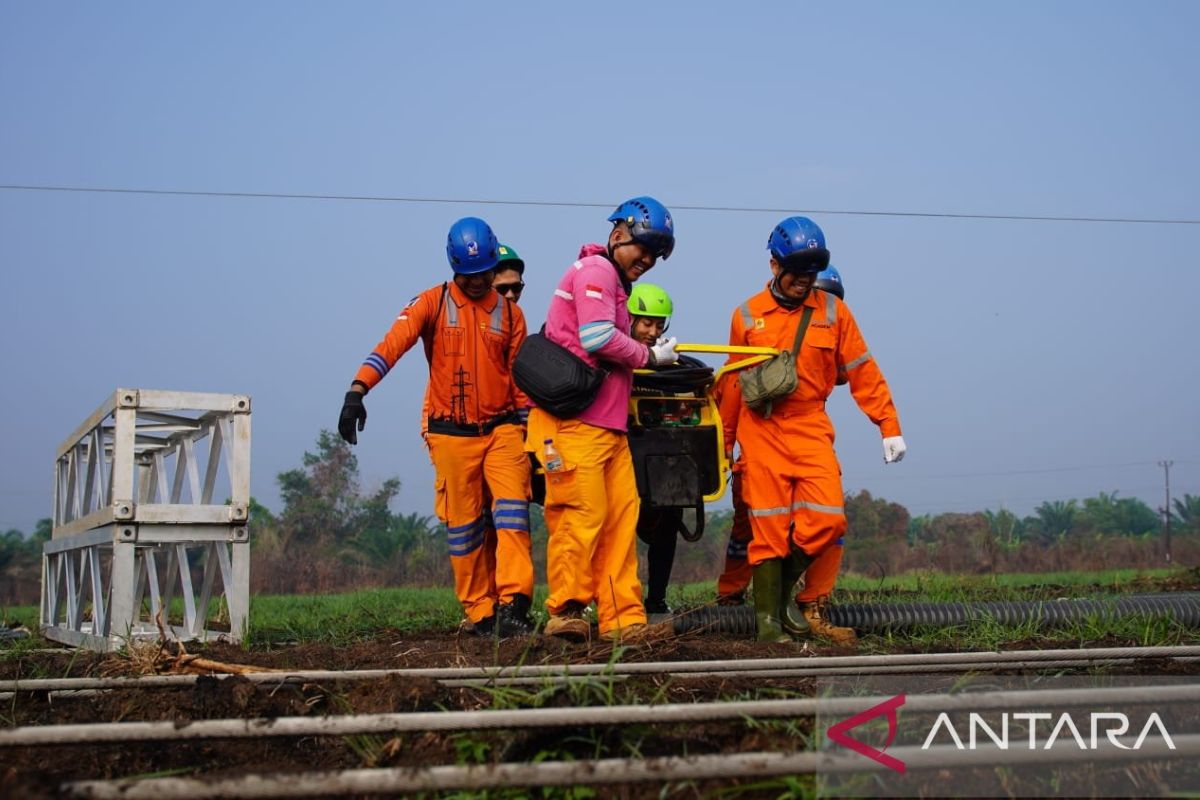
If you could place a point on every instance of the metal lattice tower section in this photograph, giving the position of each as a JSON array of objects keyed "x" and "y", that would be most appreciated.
[{"x": 151, "y": 503}]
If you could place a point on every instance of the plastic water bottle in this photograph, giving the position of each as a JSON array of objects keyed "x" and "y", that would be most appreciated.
[{"x": 551, "y": 460}]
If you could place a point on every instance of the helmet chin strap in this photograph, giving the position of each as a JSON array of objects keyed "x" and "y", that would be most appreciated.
[
  {"x": 783, "y": 299},
  {"x": 611, "y": 248}
]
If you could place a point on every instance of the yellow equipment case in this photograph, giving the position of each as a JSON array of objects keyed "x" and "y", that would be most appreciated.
[{"x": 675, "y": 431}]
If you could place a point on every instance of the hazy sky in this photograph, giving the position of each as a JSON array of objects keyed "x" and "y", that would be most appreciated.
[{"x": 1030, "y": 360}]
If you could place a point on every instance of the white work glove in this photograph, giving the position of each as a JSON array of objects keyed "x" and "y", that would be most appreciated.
[
  {"x": 663, "y": 351},
  {"x": 893, "y": 449}
]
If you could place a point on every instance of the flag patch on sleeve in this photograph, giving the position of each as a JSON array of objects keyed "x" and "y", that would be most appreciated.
[{"x": 594, "y": 291}]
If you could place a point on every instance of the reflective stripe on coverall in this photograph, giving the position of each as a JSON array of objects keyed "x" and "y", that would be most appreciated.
[
  {"x": 485, "y": 572},
  {"x": 470, "y": 346},
  {"x": 819, "y": 579},
  {"x": 821, "y": 576},
  {"x": 792, "y": 480}
]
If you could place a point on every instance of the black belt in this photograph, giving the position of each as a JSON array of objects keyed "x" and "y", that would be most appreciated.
[{"x": 451, "y": 428}]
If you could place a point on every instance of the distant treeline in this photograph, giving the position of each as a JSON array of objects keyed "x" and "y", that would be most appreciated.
[{"x": 331, "y": 536}]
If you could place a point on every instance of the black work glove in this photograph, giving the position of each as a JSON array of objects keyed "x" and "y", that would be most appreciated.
[{"x": 353, "y": 411}]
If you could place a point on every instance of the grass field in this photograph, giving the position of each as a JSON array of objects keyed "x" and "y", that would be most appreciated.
[{"x": 353, "y": 616}]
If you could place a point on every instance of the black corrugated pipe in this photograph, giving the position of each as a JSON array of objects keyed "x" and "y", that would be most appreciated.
[{"x": 1184, "y": 609}]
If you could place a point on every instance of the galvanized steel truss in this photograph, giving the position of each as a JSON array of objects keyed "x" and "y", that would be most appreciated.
[{"x": 135, "y": 520}]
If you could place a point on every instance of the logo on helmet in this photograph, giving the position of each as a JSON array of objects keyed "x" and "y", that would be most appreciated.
[
  {"x": 812, "y": 243},
  {"x": 668, "y": 223},
  {"x": 472, "y": 249}
]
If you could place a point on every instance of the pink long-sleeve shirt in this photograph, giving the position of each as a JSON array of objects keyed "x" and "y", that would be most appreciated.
[{"x": 588, "y": 316}]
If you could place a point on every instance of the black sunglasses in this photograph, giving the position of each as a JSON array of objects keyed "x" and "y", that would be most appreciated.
[{"x": 505, "y": 288}]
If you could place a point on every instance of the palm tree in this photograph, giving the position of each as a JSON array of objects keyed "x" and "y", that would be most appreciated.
[
  {"x": 386, "y": 546},
  {"x": 1187, "y": 512},
  {"x": 1056, "y": 518}
]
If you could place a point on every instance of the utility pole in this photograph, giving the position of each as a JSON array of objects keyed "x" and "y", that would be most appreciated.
[{"x": 1166, "y": 465}]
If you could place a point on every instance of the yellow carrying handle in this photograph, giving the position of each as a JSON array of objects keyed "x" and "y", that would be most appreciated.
[
  {"x": 756, "y": 355},
  {"x": 730, "y": 349}
]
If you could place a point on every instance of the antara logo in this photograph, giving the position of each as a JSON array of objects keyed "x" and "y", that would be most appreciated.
[
  {"x": 885, "y": 709},
  {"x": 1113, "y": 724}
]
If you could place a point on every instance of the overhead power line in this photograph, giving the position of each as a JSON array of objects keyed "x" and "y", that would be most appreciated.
[
  {"x": 1006, "y": 473},
  {"x": 581, "y": 204}
]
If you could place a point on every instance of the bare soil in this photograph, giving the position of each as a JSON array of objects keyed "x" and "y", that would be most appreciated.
[{"x": 39, "y": 772}]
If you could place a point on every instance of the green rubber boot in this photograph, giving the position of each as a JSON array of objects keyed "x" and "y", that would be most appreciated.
[
  {"x": 767, "y": 579},
  {"x": 792, "y": 621}
]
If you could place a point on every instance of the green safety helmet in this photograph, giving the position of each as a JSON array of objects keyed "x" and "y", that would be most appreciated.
[
  {"x": 648, "y": 300},
  {"x": 509, "y": 260}
]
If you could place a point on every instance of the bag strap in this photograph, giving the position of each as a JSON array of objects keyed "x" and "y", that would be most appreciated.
[
  {"x": 804, "y": 318},
  {"x": 428, "y": 330}
]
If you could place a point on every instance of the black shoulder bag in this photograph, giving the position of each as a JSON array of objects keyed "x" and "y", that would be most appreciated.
[{"x": 559, "y": 381}]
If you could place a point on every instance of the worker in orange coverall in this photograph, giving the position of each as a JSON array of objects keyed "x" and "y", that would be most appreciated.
[
  {"x": 470, "y": 335},
  {"x": 791, "y": 479},
  {"x": 821, "y": 576}
]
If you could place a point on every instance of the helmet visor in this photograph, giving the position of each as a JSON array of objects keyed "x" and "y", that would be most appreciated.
[
  {"x": 658, "y": 243},
  {"x": 810, "y": 259}
]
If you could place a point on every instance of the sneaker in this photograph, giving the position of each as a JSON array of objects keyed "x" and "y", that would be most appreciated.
[
  {"x": 640, "y": 632},
  {"x": 569, "y": 624},
  {"x": 485, "y": 626},
  {"x": 512, "y": 619},
  {"x": 816, "y": 614}
]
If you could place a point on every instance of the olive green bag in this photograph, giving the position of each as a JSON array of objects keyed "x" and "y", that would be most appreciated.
[{"x": 764, "y": 384}]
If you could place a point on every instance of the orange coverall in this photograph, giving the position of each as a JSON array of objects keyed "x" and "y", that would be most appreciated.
[
  {"x": 473, "y": 433},
  {"x": 821, "y": 575},
  {"x": 791, "y": 479}
]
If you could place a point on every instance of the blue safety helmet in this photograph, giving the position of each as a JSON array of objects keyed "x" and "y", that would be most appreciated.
[
  {"x": 830, "y": 280},
  {"x": 471, "y": 246},
  {"x": 798, "y": 245},
  {"x": 650, "y": 224}
]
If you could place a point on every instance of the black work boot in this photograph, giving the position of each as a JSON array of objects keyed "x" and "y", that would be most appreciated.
[
  {"x": 512, "y": 618},
  {"x": 485, "y": 626}
]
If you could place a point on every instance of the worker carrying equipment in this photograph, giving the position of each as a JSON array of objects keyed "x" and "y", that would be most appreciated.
[
  {"x": 791, "y": 479},
  {"x": 592, "y": 504},
  {"x": 819, "y": 579}
]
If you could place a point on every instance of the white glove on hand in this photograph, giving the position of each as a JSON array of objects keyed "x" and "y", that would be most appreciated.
[
  {"x": 663, "y": 351},
  {"x": 893, "y": 449}
]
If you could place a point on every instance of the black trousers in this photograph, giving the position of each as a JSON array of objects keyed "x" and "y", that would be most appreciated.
[{"x": 659, "y": 529}]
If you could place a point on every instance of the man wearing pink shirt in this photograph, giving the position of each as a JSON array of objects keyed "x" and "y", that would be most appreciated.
[{"x": 592, "y": 502}]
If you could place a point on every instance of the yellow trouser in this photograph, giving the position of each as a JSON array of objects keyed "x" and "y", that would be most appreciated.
[
  {"x": 591, "y": 513},
  {"x": 485, "y": 571}
]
